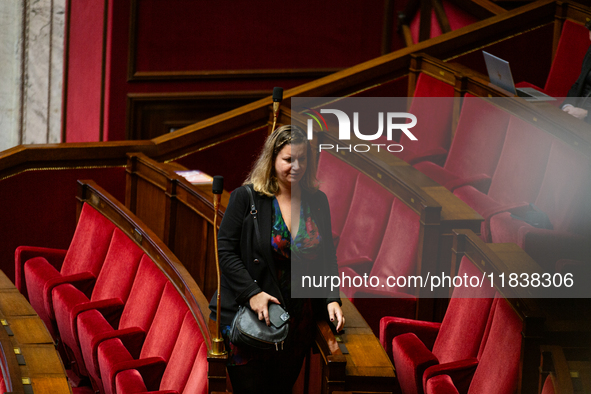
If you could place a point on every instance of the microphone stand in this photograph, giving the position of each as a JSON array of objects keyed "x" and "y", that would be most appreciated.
[
  {"x": 217, "y": 342},
  {"x": 276, "y": 105},
  {"x": 277, "y": 98}
]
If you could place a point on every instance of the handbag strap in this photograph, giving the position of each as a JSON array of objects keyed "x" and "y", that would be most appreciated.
[{"x": 254, "y": 213}]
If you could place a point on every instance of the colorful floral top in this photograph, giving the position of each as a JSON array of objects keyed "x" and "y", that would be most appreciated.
[{"x": 306, "y": 243}]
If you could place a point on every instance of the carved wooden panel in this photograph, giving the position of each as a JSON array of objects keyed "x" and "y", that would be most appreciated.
[{"x": 153, "y": 115}]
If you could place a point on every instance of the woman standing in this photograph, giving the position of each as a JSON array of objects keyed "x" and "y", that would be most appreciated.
[{"x": 256, "y": 272}]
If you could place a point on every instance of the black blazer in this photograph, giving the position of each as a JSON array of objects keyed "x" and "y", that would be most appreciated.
[
  {"x": 574, "y": 96},
  {"x": 247, "y": 270}
]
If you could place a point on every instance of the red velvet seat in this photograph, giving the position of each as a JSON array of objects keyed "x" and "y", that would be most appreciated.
[
  {"x": 519, "y": 173},
  {"x": 498, "y": 369},
  {"x": 433, "y": 106},
  {"x": 397, "y": 256},
  {"x": 457, "y": 17},
  {"x": 566, "y": 66},
  {"x": 364, "y": 228},
  {"x": 80, "y": 266},
  {"x": 562, "y": 196},
  {"x": 108, "y": 296},
  {"x": 155, "y": 352},
  {"x": 548, "y": 387},
  {"x": 475, "y": 149},
  {"x": 183, "y": 373},
  {"x": 420, "y": 349},
  {"x": 136, "y": 318},
  {"x": 337, "y": 181}
]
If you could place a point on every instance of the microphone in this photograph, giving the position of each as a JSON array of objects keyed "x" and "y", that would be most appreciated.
[
  {"x": 277, "y": 94},
  {"x": 277, "y": 98},
  {"x": 218, "y": 184},
  {"x": 217, "y": 188}
]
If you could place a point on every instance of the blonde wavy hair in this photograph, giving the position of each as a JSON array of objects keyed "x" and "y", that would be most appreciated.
[{"x": 262, "y": 176}]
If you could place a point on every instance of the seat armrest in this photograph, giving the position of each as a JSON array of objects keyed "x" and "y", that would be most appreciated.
[
  {"x": 132, "y": 338},
  {"x": 111, "y": 310},
  {"x": 441, "y": 384},
  {"x": 516, "y": 208},
  {"x": 391, "y": 327},
  {"x": 151, "y": 369},
  {"x": 488, "y": 214},
  {"x": 83, "y": 281},
  {"x": 55, "y": 257},
  {"x": 460, "y": 372},
  {"x": 411, "y": 359},
  {"x": 436, "y": 155},
  {"x": 391, "y": 302},
  {"x": 480, "y": 182}
]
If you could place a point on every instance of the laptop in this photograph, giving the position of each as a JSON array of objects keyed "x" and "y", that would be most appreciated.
[{"x": 499, "y": 73}]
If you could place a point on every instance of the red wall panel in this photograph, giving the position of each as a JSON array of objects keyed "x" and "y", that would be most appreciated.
[
  {"x": 196, "y": 35},
  {"x": 257, "y": 34},
  {"x": 84, "y": 70}
]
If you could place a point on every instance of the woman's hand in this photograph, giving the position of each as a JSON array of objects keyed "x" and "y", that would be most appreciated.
[
  {"x": 577, "y": 112},
  {"x": 259, "y": 303},
  {"x": 335, "y": 312}
]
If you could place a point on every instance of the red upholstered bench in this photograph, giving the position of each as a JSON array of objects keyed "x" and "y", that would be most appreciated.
[
  {"x": 566, "y": 66},
  {"x": 135, "y": 321},
  {"x": 109, "y": 296},
  {"x": 154, "y": 352},
  {"x": 433, "y": 131},
  {"x": 519, "y": 173},
  {"x": 498, "y": 369},
  {"x": 396, "y": 257},
  {"x": 141, "y": 319},
  {"x": 475, "y": 148},
  {"x": 366, "y": 221},
  {"x": 183, "y": 373},
  {"x": 457, "y": 17},
  {"x": 39, "y": 270},
  {"x": 338, "y": 189},
  {"x": 562, "y": 196},
  {"x": 422, "y": 349}
]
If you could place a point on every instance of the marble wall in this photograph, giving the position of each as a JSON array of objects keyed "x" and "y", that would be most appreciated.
[{"x": 31, "y": 71}]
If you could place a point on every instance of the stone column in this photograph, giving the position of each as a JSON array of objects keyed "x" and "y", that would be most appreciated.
[{"x": 31, "y": 65}]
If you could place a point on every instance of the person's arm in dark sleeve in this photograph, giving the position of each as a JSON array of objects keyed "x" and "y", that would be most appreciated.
[
  {"x": 229, "y": 237},
  {"x": 573, "y": 93}
]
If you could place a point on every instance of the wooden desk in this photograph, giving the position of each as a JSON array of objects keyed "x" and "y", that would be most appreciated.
[
  {"x": 365, "y": 367},
  {"x": 24, "y": 334}
]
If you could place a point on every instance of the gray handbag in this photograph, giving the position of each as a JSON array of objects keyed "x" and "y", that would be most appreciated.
[{"x": 247, "y": 329}]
